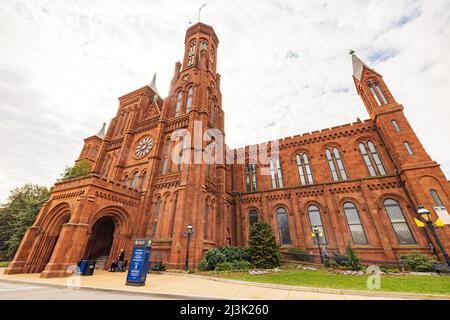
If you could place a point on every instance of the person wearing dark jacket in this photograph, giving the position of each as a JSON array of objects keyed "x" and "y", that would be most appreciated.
[{"x": 121, "y": 259}]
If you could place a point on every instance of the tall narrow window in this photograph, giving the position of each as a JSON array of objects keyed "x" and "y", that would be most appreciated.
[
  {"x": 252, "y": 217},
  {"x": 372, "y": 160},
  {"x": 408, "y": 148},
  {"x": 334, "y": 159},
  {"x": 276, "y": 175},
  {"x": 165, "y": 164},
  {"x": 106, "y": 167},
  {"x": 380, "y": 93},
  {"x": 395, "y": 125},
  {"x": 191, "y": 54},
  {"x": 143, "y": 178},
  {"x": 436, "y": 198},
  {"x": 250, "y": 177},
  {"x": 93, "y": 151},
  {"x": 178, "y": 105},
  {"x": 189, "y": 100},
  {"x": 205, "y": 222},
  {"x": 125, "y": 181},
  {"x": 157, "y": 208},
  {"x": 316, "y": 221},
  {"x": 398, "y": 222},
  {"x": 155, "y": 217},
  {"x": 354, "y": 223},
  {"x": 304, "y": 169},
  {"x": 174, "y": 212},
  {"x": 213, "y": 111},
  {"x": 283, "y": 227},
  {"x": 374, "y": 94},
  {"x": 134, "y": 180}
]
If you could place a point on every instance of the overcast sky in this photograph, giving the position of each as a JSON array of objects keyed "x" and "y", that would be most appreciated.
[{"x": 285, "y": 69}]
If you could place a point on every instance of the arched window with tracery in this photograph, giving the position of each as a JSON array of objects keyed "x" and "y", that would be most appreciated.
[
  {"x": 398, "y": 222},
  {"x": 134, "y": 180},
  {"x": 178, "y": 105},
  {"x": 276, "y": 175},
  {"x": 189, "y": 99},
  {"x": 372, "y": 159},
  {"x": 191, "y": 54},
  {"x": 252, "y": 217},
  {"x": 304, "y": 169},
  {"x": 283, "y": 227},
  {"x": 354, "y": 223},
  {"x": 436, "y": 198},
  {"x": 165, "y": 164},
  {"x": 125, "y": 181},
  {"x": 335, "y": 161},
  {"x": 315, "y": 220}
]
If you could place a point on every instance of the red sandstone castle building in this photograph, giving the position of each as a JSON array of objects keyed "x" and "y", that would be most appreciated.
[{"x": 360, "y": 182}]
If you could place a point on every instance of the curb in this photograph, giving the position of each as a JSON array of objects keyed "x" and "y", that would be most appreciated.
[
  {"x": 352, "y": 292},
  {"x": 157, "y": 294}
]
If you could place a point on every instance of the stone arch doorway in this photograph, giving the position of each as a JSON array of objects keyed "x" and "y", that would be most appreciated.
[{"x": 101, "y": 239}]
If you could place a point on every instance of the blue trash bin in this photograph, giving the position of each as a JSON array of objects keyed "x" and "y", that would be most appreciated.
[{"x": 82, "y": 266}]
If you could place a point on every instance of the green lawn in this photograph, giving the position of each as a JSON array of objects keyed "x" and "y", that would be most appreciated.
[
  {"x": 4, "y": 263},
  {"x": 326, "y": 279}
]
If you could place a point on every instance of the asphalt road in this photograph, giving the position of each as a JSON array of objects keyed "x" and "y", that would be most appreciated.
[{"x": 16, "y": 291}]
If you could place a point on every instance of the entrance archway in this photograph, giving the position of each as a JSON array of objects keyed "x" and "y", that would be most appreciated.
[{"x": 101, "y": 239}]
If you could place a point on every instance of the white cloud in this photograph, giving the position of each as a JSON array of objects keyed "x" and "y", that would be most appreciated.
[{"x": 284, "y": 65}]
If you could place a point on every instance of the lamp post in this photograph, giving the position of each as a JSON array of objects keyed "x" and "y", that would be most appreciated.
[
  {"x": 316, "y": 232},
  {"x": 425, "y": 216},
  {"x": 189, "y": 232}
]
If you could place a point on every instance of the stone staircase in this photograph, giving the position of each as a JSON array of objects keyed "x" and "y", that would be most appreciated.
[{"x": 101, "y": 262}]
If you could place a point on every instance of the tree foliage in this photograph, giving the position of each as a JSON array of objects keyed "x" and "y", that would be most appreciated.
[
  {"x": 80, "y": 169},
  {"x": 17, "y": 214},
  {"x": 263, "y": 250}
]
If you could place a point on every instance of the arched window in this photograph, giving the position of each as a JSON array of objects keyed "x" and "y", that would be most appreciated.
[
  {"x": 250, "y": 177},
  {"x": 178, "y": 105},
  {"x": 304, "y": 169},
  {"x": 395, "y": 125},
  {"x": 125, "y": 181},
  {"x": 191, "y": 54},
  {"x": 252, "y": 217},
  {"x": 213, "y": 110},
  {"x": 276, "y": 175},
  {"x": 316, "y": 221},
  {"x": 408, "y": 148},
  {"x": 374, "y": 94},
  {"x": 165, "y": 164},
  {"x": 134, "y": 180},
  {"x": 372, "y": 160},
  {"x": 93, "y": 151},
  {"x": 205, "y": 221},
  {"x": 334, "y": 159},
  {"x": 144, "y": 176},
  {"x": 157, "y": 207},
  {"x": 283, "y": 227},
  {"x": 354, "y": 223},
  {"x": 398, "y": 222},
  {"x": 174, "y": 211},
  {"x": 106, "y": 167},
  {"x": 436, "y": 198},
  {"x": 211, "y": 56},
  {"x": 189, "y": 99}
]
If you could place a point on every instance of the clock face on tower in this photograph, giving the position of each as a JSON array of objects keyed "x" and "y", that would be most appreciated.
[{"x": 143, "y": 147}]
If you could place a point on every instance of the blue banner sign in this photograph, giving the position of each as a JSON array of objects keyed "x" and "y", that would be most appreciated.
[{"x": 137, "y": 272}]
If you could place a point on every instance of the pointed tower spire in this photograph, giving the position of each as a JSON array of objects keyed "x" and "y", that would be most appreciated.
[
  {"x": 152, "y": 84},
  {"x": 101, "y": 133},
  {"x": 358, "y": 66}
]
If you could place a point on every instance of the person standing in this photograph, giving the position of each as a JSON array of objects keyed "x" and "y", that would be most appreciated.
[{"x": 121, "y": 259}]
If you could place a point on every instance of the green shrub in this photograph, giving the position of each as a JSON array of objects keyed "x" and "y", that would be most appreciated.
[
  {"x": 80, "y": 169},
  {"x": 224, "y": 266},
  {"x": 297, "y": 250},
  {"x": 418, "y": 262},
  {"x": 263, "y": 250},
  {"x": 353, "y": 261},
  {"x": 241, "y": 265},
  {"x": 203, "y": 265},
  {"x": 224, "y": 254}
]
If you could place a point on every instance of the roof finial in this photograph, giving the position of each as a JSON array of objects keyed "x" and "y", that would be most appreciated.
[
  {"x": 200, "y": 10},
  {"x": 352, "y": 52}
]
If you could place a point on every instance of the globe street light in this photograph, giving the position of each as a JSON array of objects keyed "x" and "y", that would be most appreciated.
[
  {"x": 425, "y": 216},
  {"x": 189, "y": 232},
  {"x": 316, "y": 232}
]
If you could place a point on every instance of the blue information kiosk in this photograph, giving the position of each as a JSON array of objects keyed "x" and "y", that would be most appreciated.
[{"x": 137, "y": 272}]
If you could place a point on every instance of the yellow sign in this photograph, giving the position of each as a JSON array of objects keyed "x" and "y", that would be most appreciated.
[
  {"x": 439, "y": 223},
  {"x": 419, "y": 223}
]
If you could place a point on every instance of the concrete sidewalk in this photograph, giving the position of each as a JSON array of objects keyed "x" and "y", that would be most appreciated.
[{"x": 199, "y": 287}]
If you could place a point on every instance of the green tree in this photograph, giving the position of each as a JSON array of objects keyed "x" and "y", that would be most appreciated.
[
  {"x": 353, "y": 261},
  {"x": 19, "y": 213},
  {"x": 263, "y": 249},
  {"x": 80, "y": 169}
]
